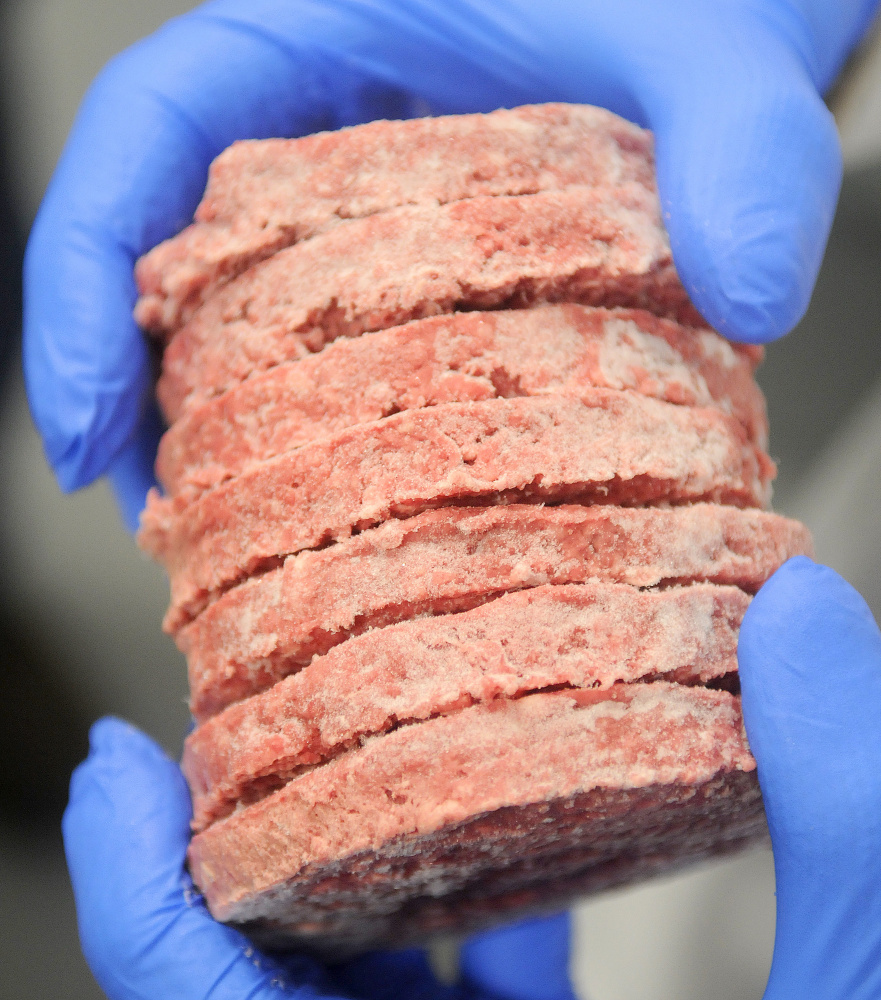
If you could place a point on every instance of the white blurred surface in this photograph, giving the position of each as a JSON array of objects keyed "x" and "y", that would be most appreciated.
[{"x": 704, "y": 934}]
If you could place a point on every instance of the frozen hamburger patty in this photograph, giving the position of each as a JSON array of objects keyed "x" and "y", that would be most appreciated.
[
  {"x": 580, "y": 245},
  {"x": 456, "y": 558},
  {"x": 632, "y": 835},
  {"x": 464, "y": 508},
  {"x": 608, "y": 447},
  {"x": 583, "y": 636},
  {"x": 394, "y": 819},
  {"x": 264, "y": 196},
  {"x": 560, "y": 350}
]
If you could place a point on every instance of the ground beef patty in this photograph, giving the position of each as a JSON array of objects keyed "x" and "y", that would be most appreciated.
[
  {"x": 583, "y": 636},
  {"x": 264, "y": 196},
  {"x": 608, "y": 447},
  {"x": 456, "y": 558},
  {"x": 578, "y": 245},
  {"x": 506, "y": 792},
  {"x": 549, "y": 350}
]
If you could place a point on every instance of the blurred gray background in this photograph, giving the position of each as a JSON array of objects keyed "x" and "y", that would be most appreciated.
[{"x": 80, "y": 608}]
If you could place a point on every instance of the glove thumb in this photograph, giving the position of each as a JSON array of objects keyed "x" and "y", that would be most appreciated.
[
  {"x": 749, "y": 170},
  {"x": 810, "y": 666}
]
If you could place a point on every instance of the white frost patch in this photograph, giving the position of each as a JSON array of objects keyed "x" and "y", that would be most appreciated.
[
  {"x": 718, "y": 349},
  {"x": 628, "y": 356}
]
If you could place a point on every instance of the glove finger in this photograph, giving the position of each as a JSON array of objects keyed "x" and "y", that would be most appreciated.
[
  {"x": 390, "y": 975},
  {"x": 810, "y": 668},
  {"x": 145, "y": 931},
  {"x": 749, "y": 164},
  {"x": 749, "y": 170},
  {"x": 528, "y": 960},
  {"x": 524, "y": 961}
]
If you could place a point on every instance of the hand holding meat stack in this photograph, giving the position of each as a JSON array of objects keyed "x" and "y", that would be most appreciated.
[{"x": 464, "y": 506}]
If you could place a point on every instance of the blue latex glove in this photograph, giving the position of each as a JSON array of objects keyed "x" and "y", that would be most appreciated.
[
  {"x": 147, "y": 935},
  {"x": 810, "y": 670},
  {"x": 748, "y": 157}
]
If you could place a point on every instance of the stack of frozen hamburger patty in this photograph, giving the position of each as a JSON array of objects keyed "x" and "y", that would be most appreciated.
[{"x": 464, "y": 508}]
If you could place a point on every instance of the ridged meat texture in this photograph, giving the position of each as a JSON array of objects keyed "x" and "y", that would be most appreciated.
[
  {"x": 594, "y": 246},
  {"x": 266, "y": 195},
  {"x": 561, "y": 350},
  {"x": 608, "y": 447},
  {"x": 384, "y": 813},
  {"x": 457, "y": 558},
  {"x": 582, "y": 636}
]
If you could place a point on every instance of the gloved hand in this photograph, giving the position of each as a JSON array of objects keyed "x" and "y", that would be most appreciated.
[
  {"x": 810, "y": 671},
  {"x": 147, "y": 934},
  {"x": 748, "y": 158}
]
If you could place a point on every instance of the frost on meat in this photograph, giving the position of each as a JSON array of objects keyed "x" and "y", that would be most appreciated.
[
  {"x": 399, "y": 815},
  {"x": 608, "y": 447},
  {"x": 264, "y": 196},
  {"x": 578, "y": 245},
  {"x": 583, "y": 636},
  {"x": 453, "y": 559},
  {"x": 560, "y": 350}
]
